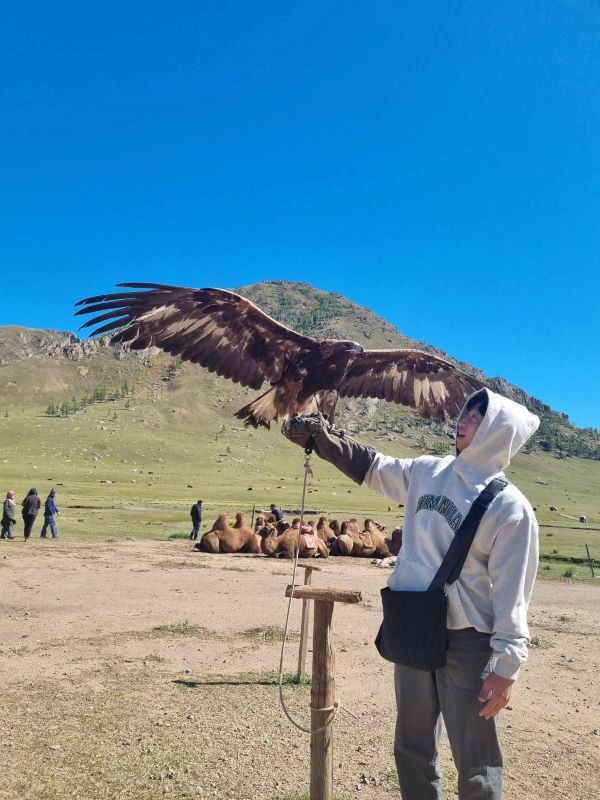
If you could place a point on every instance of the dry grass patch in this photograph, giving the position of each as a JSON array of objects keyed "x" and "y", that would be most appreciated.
[
  {"x": 267, "y": 634},
  {"x": 181, "y": 565},
  {"x": 116, "y": 733},
  {"x": 183, "y": 628}
]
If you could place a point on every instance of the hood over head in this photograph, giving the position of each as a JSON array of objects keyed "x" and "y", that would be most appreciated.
[{"x": 503, "y": 431}]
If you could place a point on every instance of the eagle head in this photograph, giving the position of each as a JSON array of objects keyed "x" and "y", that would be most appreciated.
[
  {"x": 339, "y": 349},
  {"x": 352, "y": 347}
]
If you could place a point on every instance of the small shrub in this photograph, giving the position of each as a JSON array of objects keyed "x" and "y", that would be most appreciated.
[
  {"x": 392, "y": 776},
  {"x": 568, "y": 573},
  {"x": 184, "y": 628}
]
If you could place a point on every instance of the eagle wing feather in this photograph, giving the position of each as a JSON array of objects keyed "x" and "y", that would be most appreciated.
[
  {"x": 427, "y": 383},
  {"x": 218, "y": 329}
]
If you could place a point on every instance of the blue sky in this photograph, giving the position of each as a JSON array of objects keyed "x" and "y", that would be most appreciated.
[{"x": 437, "y": 162}]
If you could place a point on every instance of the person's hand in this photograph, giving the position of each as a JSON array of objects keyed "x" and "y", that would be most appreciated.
[
  {"x": 496, "y": 691},
  {"x": 300, "y": 429}
]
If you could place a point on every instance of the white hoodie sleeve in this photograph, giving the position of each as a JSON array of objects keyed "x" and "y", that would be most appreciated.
[
  {"x": 390, "y": 476},
  {"x": 512, "y": 569}
]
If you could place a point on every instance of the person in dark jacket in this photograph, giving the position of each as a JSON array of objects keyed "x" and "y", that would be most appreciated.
[
  {"x": 277, "y": 513},
  {"x": 31, "y": 506},
  {"x": 196, "y": 515},
  {"x": 9, "y": 516},
  {"x": 50, "y": 513}
]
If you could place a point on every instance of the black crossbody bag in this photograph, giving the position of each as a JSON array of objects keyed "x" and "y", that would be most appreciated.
[{"x": 413, "y": 631}]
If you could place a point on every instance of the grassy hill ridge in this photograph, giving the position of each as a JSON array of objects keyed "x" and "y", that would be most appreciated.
[
  {"x": 313, "y": 312},
  {"x": 135, "y": 438},
  {"x": 319, "y": 313}
]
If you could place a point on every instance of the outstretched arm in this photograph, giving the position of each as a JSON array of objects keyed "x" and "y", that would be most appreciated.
[
  {"x": 390, "y": 476},
  {"x": 359, "y": 462},
  {"x": 349, "y": 456}
]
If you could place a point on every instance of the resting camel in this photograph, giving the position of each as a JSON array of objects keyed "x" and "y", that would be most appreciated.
[
  {"x": 223, "y": 538},
  {"x": 368, "y": 543},
  {"x": 324, "y": 530},
  {"x": 378, "y": 536},
  {"x": 284, "y": 545},
  {"x": 396, "y": 543},
  {"x": 271, "y": 519}
]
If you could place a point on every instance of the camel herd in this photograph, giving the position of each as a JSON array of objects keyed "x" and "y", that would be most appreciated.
[{"x": 280, "y": 539}]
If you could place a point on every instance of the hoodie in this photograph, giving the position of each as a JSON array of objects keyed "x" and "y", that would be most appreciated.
[{"x": 494, "y": 588}]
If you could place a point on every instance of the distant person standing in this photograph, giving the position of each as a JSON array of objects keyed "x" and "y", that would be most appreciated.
[
  {"x": 9, "y": 516},
  {"x": 50, "y": 513},
  {"x": 31, "y": 506},
  {"x": 277, "y": 513},
  {"x": 196, "y": 515}
]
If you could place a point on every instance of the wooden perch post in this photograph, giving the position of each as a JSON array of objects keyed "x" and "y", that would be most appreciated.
[
  {"x": 308, "y": 571},
  {"x": 322, "y": 695}
]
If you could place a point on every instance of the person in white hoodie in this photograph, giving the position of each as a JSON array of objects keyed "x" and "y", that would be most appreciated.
[{"x": 487, "y": 605}]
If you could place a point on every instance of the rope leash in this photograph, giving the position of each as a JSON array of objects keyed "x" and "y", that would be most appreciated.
[{"x": 336, "y": 706}]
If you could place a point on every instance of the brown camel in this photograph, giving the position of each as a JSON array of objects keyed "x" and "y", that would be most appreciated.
[
  {"x": 284, "y": 545},
  {"x": 368, "y": 543},
  {"x": 344, "y": 542},
  {"x": 324, "y": 530},
  {"x": 396, "y": 544},
  {"x": 377, "y": 532},
  {"x": 223, "y": 538}
]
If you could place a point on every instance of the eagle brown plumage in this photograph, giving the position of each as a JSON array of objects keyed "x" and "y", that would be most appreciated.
[{"x": 227, "y": 334}]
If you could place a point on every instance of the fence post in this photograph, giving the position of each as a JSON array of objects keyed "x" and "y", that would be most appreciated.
[{"x": 590, "y": 560}]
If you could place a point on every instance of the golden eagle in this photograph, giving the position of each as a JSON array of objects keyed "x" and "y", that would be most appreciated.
[{"x": 229, "y": 335}]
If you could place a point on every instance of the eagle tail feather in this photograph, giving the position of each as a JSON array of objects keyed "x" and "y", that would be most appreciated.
[{"x": 262, "y": 411}]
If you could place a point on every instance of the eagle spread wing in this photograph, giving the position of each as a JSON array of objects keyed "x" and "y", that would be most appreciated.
[
  {"x": 227, "y": 334},
  {"x": 431, "y": 385},
  {"x": 217, "y": 329}
]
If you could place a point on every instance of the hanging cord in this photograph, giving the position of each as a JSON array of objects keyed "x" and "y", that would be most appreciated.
[{"x": 336, "y": 705}]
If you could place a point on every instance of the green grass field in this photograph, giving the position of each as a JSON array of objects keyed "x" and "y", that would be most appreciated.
[{"x": 133, "y": 467}]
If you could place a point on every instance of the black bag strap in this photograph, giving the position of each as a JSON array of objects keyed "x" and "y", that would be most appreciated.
[{"x": 456, "y": 556}]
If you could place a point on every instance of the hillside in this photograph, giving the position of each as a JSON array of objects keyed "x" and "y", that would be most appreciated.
[
  {"x": 297, "y": 305},
  {"x": 318, "y": 313},
  {"x": 130, "y": 440}
]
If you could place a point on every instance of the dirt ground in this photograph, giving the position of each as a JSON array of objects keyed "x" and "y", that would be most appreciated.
[{"x": 143, "y": 669}]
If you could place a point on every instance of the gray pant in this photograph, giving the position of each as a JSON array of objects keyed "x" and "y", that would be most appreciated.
[
  {"x": 423, "y": 698},
  {"x": 53, "y": 527}
]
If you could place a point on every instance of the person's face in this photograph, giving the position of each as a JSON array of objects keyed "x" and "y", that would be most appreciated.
[{"x": 466, "y": 428}]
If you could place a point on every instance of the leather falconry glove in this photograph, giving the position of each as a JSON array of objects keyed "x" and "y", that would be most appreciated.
[{"x": 312, "y": 431}]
